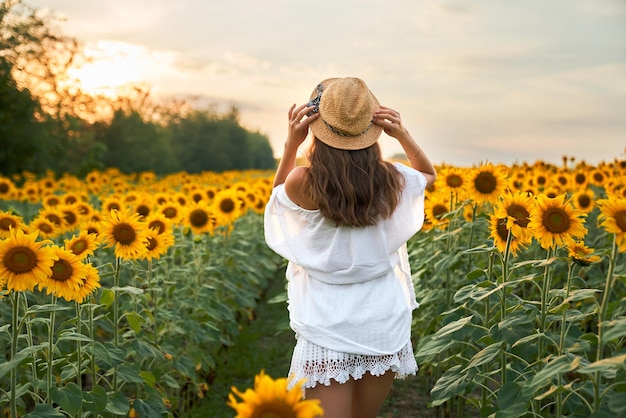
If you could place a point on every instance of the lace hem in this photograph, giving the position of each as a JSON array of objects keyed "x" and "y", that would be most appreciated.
[{"x": 316, "y": 364}]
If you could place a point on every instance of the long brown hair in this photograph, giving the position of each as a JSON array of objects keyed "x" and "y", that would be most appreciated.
[{"x": 352, "y": 187}]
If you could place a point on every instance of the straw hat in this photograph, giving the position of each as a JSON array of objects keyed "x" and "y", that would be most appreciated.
[{"x": 346, "y": 107}]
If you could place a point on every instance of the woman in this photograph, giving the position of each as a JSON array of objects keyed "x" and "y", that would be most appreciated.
[{"x": 342, "y": 222}]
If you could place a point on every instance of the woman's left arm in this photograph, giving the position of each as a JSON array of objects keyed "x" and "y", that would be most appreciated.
[{"x": 298, "y": 131}]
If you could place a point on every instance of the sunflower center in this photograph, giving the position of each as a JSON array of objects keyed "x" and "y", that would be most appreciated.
[
  {"x": 152, "y": 244},
  {"x": 45, "y": 228},
  {"x": 454, "y": 181},
  {"x": 4, "y": 188},
  {"x": 55, "y": 219},
  {"x": 198, "y": 218},
  {"x": 439, "y": 210},
  {"x": 556, "y": 221},
  {"x": 6, "y": 223},
  {"x": 520, "y": 214},
  {"x": 124, "y": 233},
  {"x": 274, "y": 409},
  {"x": 61, "y": 270},
  {"x": 620, "y": 220},
  {"x": 170, "y": 212},
  {"x": 580, "y": 178},
  {"x": 541, "y": 180},
  {"x": 158, "y": 225},
  {"x": 79, "y": 247},
  {"x": 584, "y": 201},
  {"x": 227, "y": 206},
  {"x": 20, "y": 260},
  {"x": 485, "y": 183},
  {"x": 113, "y": 206},
  {"x": 70, "y": 217},
  {"x": 53, "y": 201},
  {"x": 143, "y": 210},
  {"x": 502, "y": 230}
]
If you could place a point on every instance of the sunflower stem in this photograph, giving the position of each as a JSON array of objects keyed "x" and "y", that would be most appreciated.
[
  {"x": 544, "y": 301},
  {"x": 503, "y": 298},
  {"x": 568, "y": 287},
  {"x": 604, "y": 305},
  {"x": 116, "y": 314},
  {"x": 14, "y": 337},
  {"x": 51, "y": 348},
  {"x": 79, "y": 366}
]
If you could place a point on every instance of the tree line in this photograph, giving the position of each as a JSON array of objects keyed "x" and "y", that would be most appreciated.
[{"x": 47, "y": 123}]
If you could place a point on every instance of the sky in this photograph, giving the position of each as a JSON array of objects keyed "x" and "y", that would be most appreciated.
[{"x": 498, "y": 81}]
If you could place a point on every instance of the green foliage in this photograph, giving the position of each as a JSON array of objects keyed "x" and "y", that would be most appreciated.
[
  {"x": 149, "y": 339},
  {"x": 519, "y": 336}
]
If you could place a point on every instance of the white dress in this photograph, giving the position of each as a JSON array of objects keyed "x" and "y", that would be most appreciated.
[{"x": 350, "y": 293}]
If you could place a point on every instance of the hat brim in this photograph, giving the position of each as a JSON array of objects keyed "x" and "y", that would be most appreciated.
[{"x": 324, "y": 133}]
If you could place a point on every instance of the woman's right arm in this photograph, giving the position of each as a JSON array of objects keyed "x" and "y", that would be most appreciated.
[
  {"x": 298, "y": 131},
  {"x": 391, "y": 123}
]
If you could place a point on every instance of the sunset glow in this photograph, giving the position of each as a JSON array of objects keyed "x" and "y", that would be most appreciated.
[{"x": 113, "y": 67}]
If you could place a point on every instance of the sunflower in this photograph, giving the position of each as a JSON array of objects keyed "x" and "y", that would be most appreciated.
[
  {"x": 435, "y": 208},
  {"x": 581, "y": 254},
  {"x": 158, "y": 243},
  {"x": 82, "y": 245},
  {"x": 54, "y": 216},
  {"x": 143, "y": 204},
  {"x": 24, "y": 261},
  {"x": 271, "y": 398},
  {"x": 158, "y": 221},
  {"x": 9, "y": 221},
  {"x": 613, "y": 219},
  {"x": 200, "y": 217},
  {"x": 93, "y": 227},
  {"x": 7, "y": 189},
  {"x": 68, "y": 272},
  {"x": 126, "y": 233},
  {"x": 171, "y": 210},
  {"x": 516, "y": 208},
  {"x": 555, "y": 222},
  {"x": 112, "y": 202},
  {"x": 455, "y": 180},
  {"x": 487, "y": 182},
  {"x": 71, "y": 216},
  {"x": 500, "y": 234},
  {"x": 46, "y": 229},
  {"x": 227, "y": 206},
  {"x": 51, "y": 200},
  {"x": 584, "y": 200}
]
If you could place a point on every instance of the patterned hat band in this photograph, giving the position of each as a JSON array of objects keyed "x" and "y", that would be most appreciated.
[{"x": 345, "y": 134}]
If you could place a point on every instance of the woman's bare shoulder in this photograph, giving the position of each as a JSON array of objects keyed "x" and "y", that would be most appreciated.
[{"x": 294, "y": 187}]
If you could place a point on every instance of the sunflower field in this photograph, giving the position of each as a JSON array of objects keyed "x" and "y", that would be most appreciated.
[{"x": 119, "y": 292}]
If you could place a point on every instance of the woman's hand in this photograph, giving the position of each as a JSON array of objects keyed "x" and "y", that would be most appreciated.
[
  {"x": 297, "y": 133},
  {"x": 390, "y": 121},
  {"x": 299, "y": 124}
]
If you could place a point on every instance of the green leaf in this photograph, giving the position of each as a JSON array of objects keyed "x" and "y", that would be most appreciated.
[
  {"x": 614, "y": 329},
  {"x": 134, "y": 321},
  {"x": 555, "y": 367},
  {"x": 117, "y": 404},
  {"x": 107, "y": 296},
  {"x": 485, "y": 355},
  {"x": 128, "y": 289},
  {"x": 129, "y": 372},
  {"x": 612, "y": 364},
  {"x": 453, "y": 326},
  {"x": 44, "y": 410},
  {"x": 452, "y": 383},
  {"x": 73, "y": 336},
  {"x": 69, "y": 397},
  {"x": 95, "y": 400}
]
